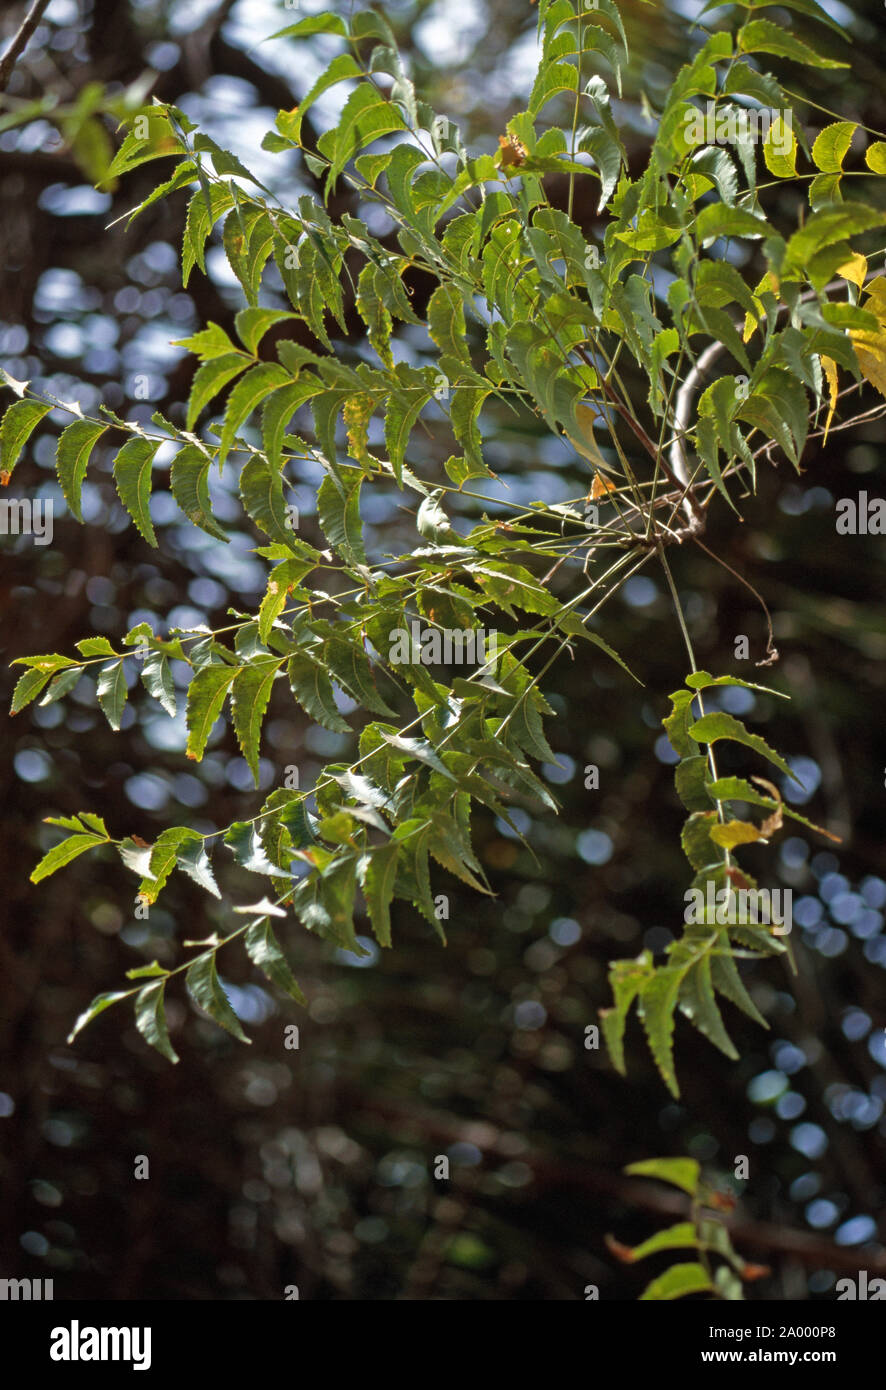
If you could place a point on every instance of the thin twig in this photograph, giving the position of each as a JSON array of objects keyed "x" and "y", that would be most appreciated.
[
  {"x": 19, "y": 43},
  {"x": 771, "y": 649}
]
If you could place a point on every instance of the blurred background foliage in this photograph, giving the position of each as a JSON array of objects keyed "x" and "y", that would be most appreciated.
[{"x": 271, "y": 1167}]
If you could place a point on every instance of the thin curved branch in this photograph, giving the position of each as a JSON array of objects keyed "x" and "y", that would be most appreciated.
[
  {"x": 20, "y": 42},
  {"x": 686, "y": 394}
]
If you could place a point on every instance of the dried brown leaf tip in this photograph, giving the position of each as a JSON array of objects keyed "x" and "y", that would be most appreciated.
[
  {"x": 720, "y": 1201},
  {"x": 751, "y": 1272},
  {"x": 600, "y": 487},
  {"x": 513, "y": 151},
  {"x": 621, "y": 1252}
]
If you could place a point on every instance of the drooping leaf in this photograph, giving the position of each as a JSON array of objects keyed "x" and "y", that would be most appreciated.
[
  {"x": 206, "y": 696},
  {"x": 63, "y": 853},
  {"x": 75, "y": 446},
  {"x": 19, "y": 422},
  {"x": 250, "y": 694},
  {"x": 112, "y": 692},
  {"x": 205, "y": 989},
  {"x": 678, "y": 1172},
  {"x": 132, "y": 475},
  {"x": 157, "y": 680},
  {"x": 264, "y": 951},
  {"x": 150, "y": 1019}
]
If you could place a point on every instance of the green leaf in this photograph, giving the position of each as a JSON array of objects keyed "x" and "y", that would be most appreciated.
[
  {"x": 164, "y": 855},
  {"x": 403, "y": 409},
  {"x": 132, "y": 476},
  {"x": 112, "y": 692},
  {"x": 446, "y": 321},
  {"x": 338, "y": 70},
  {"x": 875, "y": 156},
  {"x": 63, "y": 853},
  {"x": 157, "y": 680},
  {"x": 338, "y": 508},
  {"x": 678, "y": 1281},
  {"x": 95, "y": 646},
  {"x": 418, "y": 748},
  {"x": 679, "y": 1237},
  {"x": 151, "y": 971},
  {"x": 253, "y": 324},
  {"x": 676, "y": 724},
  {"x": 206, "y": 696},
  {"x": 703, "y": 680},
  {"x": 697, "y": 1002},
  {"x": 720, "y": 220},
  {"x": 348, "y": 664},
  {"x": 150, "y": 1019},
  {"x": 211, "y": 342},
  {"x": 830, "y": 224},
  {"x": 209, "y": 380},
  {"x": 203, "y": 985},
  {"x": 312, "y": 688},
  {"x": 248, "y": 240},
  {"x": 282, "y": 578},
  {"x": 679, "y": 1172},
  {"x": 249, "y": 392},
  {"x": 264, "y": 951},
  {"x": 189, "y": 480},
  {"x": 249, "y": 701},
  {"x": 243, "y": 839},
  {"x": 75, "y": 445},
  {"x": 737, "y": 789},
  {"x": 20, "y": 420},
  {"x": 832, "y": 145},
  {"x": 62, "y": 684},
  {"x": 718, "y": 283},
  {"x": 658, "y": 1000},
  {"x": 551, "y": 79},
  {"x": 572, "y": 624},
  {"x": 365, "y": 116},
  {"x": 695, "y": 838},
  {"x": 160, "y": 143},
  {"x": 783, "y": 166},
  {"x": 28, "y": 687},
  {"x": 712, "y": 727},
  {"x": 261, "y": 492},
  {"x": 810, "y": 8},
  {"x": 98, "y": 1006},
  {"x": 762, "y": 36},
  {"x": 689, "y": 776},
  {"x": 626, "y": 978},
  {"x": 378, "y": 874},
  {"x": 325, "y": 23},
  {"x": 50, "y": 662}
]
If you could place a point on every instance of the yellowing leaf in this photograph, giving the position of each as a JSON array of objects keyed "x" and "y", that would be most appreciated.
[
  {"x": 734, "y": 832},
  {"x": 829, "y": 367},
  {"x": 582, "y": 438},
  {"x": 782, "y": 165},
  {"x": 832, "y": 145},
  {"x": 870, "y": 348},
  {"x": 875, "y": 157},
  {"x": 855, "y": 269},
  {"x": 768, "y": 284},
  {"x": 600, "y": 487}
]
